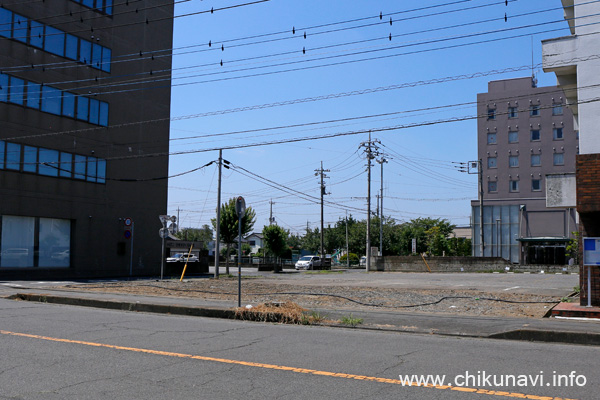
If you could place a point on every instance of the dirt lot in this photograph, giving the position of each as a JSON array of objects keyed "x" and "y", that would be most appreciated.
[{"x": 258, "y": 290}]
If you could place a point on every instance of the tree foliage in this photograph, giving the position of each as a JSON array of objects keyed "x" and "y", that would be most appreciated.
[
  {"x": 204, "y": 235},
  {"x": 274, "y": 238},
  {"x": 229, "y": 225}
]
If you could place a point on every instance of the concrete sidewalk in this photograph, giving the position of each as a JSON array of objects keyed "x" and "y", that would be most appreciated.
[{"x": 585, "y": 332}]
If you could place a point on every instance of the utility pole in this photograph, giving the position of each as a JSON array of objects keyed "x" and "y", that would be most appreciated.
[
  {"x": 476, "y": 167},
  {"x": 321, "y": 172},
  {"x": 218, "y": 228},
  {"x": 347, "y": 247},
  {"x": 371, "y": 149},
  {"x": 381, "y": 161},
  {"x": 178, "y": 221},
  {"x": 271, "y": 219}
]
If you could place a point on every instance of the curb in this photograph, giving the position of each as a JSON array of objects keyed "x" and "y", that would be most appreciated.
[{"x": 532, "y": 335}]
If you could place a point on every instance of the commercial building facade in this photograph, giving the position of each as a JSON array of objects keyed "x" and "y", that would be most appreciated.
[
  {"x": 575, "y": 60},
  {"x": 82, "y": 109},
  {"x": 525, "y": 138}
]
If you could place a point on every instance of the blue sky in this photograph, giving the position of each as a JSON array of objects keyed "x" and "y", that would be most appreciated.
[{"x": 424, "y": 75}]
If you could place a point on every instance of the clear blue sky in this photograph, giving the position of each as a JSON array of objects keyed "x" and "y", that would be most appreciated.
[{"x": 449, "y": 39}]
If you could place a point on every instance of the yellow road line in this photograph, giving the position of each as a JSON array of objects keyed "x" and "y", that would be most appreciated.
[{"x": 283, "y": 368}]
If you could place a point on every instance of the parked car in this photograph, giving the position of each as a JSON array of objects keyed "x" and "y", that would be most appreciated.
[
  {"x": 312, "y": 262},
  {"x": 182, "y": 257},
  {"x": 363, "y": 261}
]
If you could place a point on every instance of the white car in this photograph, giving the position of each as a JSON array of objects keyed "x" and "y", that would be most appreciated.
[
  {"x": 308, "y": 262},
  {"x": 182, "y": 257}
]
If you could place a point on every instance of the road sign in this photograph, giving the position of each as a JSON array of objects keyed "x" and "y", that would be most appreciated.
[
  {"x": 164, "y": 218},
  {"x": 127, "y": 234},
  {"x": 414, "y": 246},
  {"x": 240, "y": 206},
  {"x": 128, "y": 221},
  {"x": 163, "y": 233}
]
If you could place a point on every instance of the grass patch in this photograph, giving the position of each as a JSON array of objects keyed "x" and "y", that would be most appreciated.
[
  {"x": 285, "y": 313},
  {"x": 350, "y": 320}
]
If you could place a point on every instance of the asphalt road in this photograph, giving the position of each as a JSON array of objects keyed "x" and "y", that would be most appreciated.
[{"x": 63, "y": 352}]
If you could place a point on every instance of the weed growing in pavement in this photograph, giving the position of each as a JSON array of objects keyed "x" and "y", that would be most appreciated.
[
  {"x": 351, "y": 321},
  {"x": 566, "y": 300},
  {"x": 577, "y": 289},
  {"x": 324, "y": 271}
]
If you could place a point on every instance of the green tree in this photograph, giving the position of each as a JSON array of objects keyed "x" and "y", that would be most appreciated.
[
  {"x": 572, "y": 249},
  {"x": 229, "y": 225},
  {"x": 275, "y": 240},
  {"x": 204, "y": 235},
  {"x": 417, "y": 228}
]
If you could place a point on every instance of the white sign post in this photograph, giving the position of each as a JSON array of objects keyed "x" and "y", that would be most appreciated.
[{"x": 591, "y": 258}]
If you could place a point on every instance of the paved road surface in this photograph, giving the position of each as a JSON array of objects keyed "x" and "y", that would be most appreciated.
[{"x": 63, "y": 352}]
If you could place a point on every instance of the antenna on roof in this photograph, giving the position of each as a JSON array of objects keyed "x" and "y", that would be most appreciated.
[{"x": 533, "y": 78}]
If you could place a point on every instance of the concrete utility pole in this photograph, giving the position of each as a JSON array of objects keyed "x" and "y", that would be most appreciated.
[
  {"x": 371, "y": 149},
  {"x": 381, "y": 161},
  {"x": 178, "y": 221},
  {"x": 271, "y": 219},
  {"x": 347, "y": 247},
  {"x": 321, "y": 172},
  {"x": 218, "y": 227},
  {"x": 476, "y": 167}
]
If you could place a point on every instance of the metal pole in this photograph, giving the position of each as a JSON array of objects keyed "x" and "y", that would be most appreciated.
[
  {"x": 589, "y": 286},
  {"x": 131, "y": 253},
  {"x": 322, "y": 193},
  {"x": 162, "y": 261},
  {"x": 381, "y": 212},
  {"x": 240, "y": 260},
  {"x": 480, "y": 172},
  {"x": 368, "y": 264},
  {"x": 347, "y": 247},
  {"x": 218, "y": 228}
]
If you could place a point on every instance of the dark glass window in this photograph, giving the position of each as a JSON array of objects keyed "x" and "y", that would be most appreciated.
[
  {"x": 534, "y": 110},
  {"x": 535, "y": 135},
  {"x": 36, "y": 34},
  {"x": 559, "y": 159},
  {"x": 17, "y": 87},
  {"x": 492, "y": 186},
  {"x": 13, "y": 156},
  {"x": 94, "y": 110},
  {"x": 103, "y": 118},
  {"x": 50, "y": 158},
  {"x": 557, "y": 133},
  {"x": 68, "y": 104},
  {"x": 536, "y": 185},
  {"x": 30, "y": 159},
  {"x": 3, "y": 86},
  {"x": 82, "y": 108},
  {"x": 106, "y": 55},
  {"x": 51, "y": 100},
  {"x": 5, "y": 22},
  {"x": 71, "y": 47},
  {"x": 55, "y": 41},
  {"x": 19, "y": 28},
  {"x": 33, "y": 95},
  {"x": 91, "y": 169},
  {"x": 66, "y": 165},
  {"x": 85, "y": 52},
  {"x": 79, "y": 167},
  {"x": 101, "y": 171}
]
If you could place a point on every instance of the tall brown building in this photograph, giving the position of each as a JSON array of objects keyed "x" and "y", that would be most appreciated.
[
  {"x": 525, "y": 141},
  {"x": 84, "y": 127}
]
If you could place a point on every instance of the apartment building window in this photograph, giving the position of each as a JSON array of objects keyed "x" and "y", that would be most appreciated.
[
  {"x": 492, "y": 186},
  {"x": 535, "y": 135},
  {"x": 559, "y": 159},
  {"x": 491, "y": 138},
  {"x": 513, "y": 137},
  {"x": 491, "y": 113},
  {"x": 536, "y": 160},
  {"x": 536, "y": 185},
  {"x": 557, "y": 133},
  {"x": 557, "y": 109},
  {"x": 534, "y": 110},
  {"x": 492, "y": 162},
  {"x": 513, "y": 112},
  {"x": 513, "y": 161},
  {"x": 514, "y": 186}
]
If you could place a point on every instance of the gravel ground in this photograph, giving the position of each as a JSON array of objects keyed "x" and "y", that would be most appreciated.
[{"x": 264, "y": 290}]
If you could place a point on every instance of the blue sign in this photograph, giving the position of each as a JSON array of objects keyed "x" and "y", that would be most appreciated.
[{"x": 591, "y": 251}]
